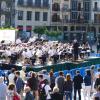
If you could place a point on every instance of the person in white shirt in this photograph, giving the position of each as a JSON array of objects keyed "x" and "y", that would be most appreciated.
[
  {"x": 18, "y": 41},
  {"x": 47, "y": 89},
  {"x": 11, "y": 76},
  {"x": 8, "y": 52},
  {"x": 28, "y": 54},
  {"x": 22, "y": 73}
]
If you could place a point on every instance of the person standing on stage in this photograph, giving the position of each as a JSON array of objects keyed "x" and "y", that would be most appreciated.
[{"x": 75, "y": 49}]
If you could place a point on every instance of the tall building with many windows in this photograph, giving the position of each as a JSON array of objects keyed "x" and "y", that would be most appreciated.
[
  {"x": 74, "y": 18},
  {"x": 31, "y": 13},
  {"x": 6, "y": 13},
  {"x": 95, "y": 15}
]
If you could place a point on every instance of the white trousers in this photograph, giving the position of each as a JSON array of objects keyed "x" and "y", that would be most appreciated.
[{"x": 87, "y": 92}]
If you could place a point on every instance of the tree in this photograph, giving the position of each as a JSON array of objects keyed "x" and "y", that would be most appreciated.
[
  {"x": 53, "y": 33},
  {"x": 40, "y": 30}
]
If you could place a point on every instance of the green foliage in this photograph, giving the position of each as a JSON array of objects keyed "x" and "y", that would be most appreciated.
[
  {"x": 53, "y": 33},
  {"x": 43, "y": 30},
  {"x": 39, "y": 30}
]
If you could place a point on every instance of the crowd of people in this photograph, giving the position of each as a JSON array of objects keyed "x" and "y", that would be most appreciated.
[
  {"x": 42, "y": 52},
  {"x": 18, "y": 85}
]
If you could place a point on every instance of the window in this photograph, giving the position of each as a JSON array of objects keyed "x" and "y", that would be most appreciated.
[
  {"x": 29, "y": 15},
  {"x": 79, "y": 6},
  {"x": 86, "y": 6},
  {"x": 20, "y": 15},
  {"x": 65, "y": 7},
  {"x": 38, "y": 3},
  {"x": 37, "y": 16},
  {"x": 45, "y": 16},
  {"x": 45, "y": 3},
  {"x": 72, "y": 28},
  {"x": 74, "y": 5},
  {"x": 56, "y": 7},
  {"x": 55, "y": 17},
  {"x": 95, "y": 5},
  {"x": 20, "y": 2},
  {"x": 97, "y": 18},
  {"x": 86, "y": 17},
  {"x": 78, "y": 28},
  {"x": 74, "y": 15},
  {"x": 30, "y": 2}
]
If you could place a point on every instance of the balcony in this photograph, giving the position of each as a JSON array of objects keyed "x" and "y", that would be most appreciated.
[
  {"x": 96, "y": 9},
  {"x": 66, "y": 9},
  {"x": 96, "y": 22},
  {"x": 29, "y": 3}
]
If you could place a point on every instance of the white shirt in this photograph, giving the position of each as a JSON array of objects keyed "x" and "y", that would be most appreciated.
[
  {"x": 47, "y": 89},
  {"x": 18, "y": 41},
  {"x": 39, "y": 53},
  {"x": 22, "y": 75},
  {"x": 8, "y": 53},
  {"x": 28, "y": 54},
  {"x": 51, "y": 52},
  {"x": 11, "y": 78}
]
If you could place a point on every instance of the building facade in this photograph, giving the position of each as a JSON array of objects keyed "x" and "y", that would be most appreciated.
[
  {"x": 6, "y": 13},
  {"x": 73, "y": 17},
  {"x": 31, "y": 13},
  {"x": 95, "y": 15}
]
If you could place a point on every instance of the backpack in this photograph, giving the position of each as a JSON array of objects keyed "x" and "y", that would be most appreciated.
[{"x": 43, "y": 93}]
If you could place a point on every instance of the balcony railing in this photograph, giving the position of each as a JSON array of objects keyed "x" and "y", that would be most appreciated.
[
  {"x": 96, "y": 22},
  {"x": 31, "y": 4},
  {"x": 96, "y": 9},
  {"x": 66, "y": 9}
]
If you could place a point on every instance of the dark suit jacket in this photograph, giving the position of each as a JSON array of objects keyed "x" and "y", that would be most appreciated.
[{"x": 78, "y": 80}]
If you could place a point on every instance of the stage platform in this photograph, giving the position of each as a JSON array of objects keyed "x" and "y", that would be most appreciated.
[{"x": 55, "y": 67}]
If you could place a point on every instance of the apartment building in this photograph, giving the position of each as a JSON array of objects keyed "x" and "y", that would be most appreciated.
[
  {"x": 73, "y": 17},
  {"x": 60, "y": 13},
  {"x": 31, "y": 13},
  {"x": 5, "y": 12},
  {"x": 95, "y": 16},
  {"x": 80, "y": 18}
]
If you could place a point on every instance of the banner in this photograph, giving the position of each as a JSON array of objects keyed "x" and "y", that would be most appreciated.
[{"x": 7, "y": 35}]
